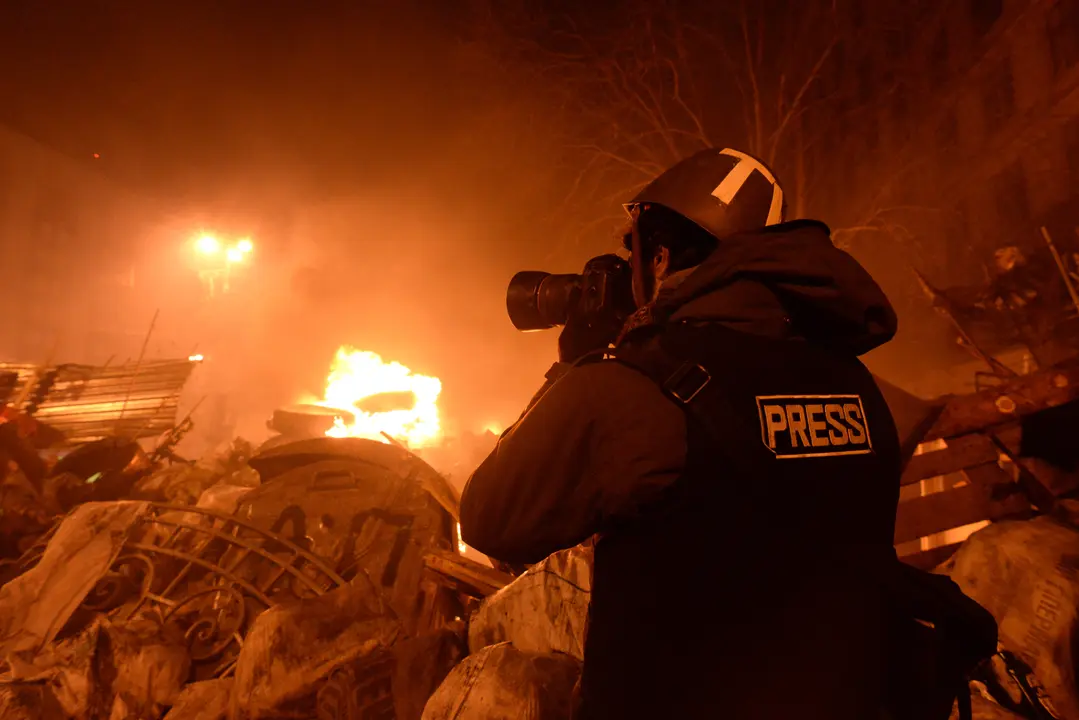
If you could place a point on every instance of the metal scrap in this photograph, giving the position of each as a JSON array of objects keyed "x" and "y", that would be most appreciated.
[{"x": 88, "y": 403}]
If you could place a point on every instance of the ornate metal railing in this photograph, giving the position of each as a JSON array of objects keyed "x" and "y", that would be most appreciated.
[{"x": 209, "y": 574}]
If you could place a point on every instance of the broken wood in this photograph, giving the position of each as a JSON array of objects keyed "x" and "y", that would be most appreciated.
[
  {"x": 468, "y": 576},
  {"x": 1011, "y": 400},
  {"x": 990, "y": 495},
  {"x": 931, "y": 558},
  {"x": 960, "y": 453}
]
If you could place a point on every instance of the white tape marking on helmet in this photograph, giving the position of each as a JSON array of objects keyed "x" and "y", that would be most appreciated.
[{"x": 737, "y": 177}]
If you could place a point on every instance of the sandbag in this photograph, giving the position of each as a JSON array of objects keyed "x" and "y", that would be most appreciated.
[
  {"x": 222, "y": 498},
  {"x": 1026, "y": 573},
  {"x": 122, "y": 671},
  {"x": 501, "y": 682},
  {"x": 545, "y": 610},
  {"x": 176, "y": 484},
  {"x": 291, "y": 648},
  {"x": 986, "y": 710},
  {"x": 206, "y": 700},
  {"x": 142, "y": 665},
  {"x": 35, "y": 606}
]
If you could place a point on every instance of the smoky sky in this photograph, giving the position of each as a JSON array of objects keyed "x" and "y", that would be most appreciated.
[
  {"x": 390, "y": 171},
  {"x": 394, "y": 172},
  {"x": 181, "y": 95}
]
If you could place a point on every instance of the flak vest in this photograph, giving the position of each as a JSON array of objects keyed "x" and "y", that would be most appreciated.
[{"x": 744, "y": 592}]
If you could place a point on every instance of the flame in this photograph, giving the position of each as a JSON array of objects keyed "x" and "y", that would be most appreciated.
[
  {"x": 461, "y": 547},
  {"x": 357, "y": 374}
]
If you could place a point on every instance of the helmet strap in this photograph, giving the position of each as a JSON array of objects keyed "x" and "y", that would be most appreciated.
[{"x": 642, "y": 285}]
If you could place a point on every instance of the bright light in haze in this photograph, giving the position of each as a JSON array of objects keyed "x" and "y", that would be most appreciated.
[
  {"x": 234, "y": 255},
  {"x": 207, "y": 245},
  {"x": 194, "y": 358},
  {"x": 245, "y": 245}
]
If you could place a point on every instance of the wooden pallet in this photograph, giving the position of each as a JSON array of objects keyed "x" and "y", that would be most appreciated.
[{"x": 972, "y": 468}]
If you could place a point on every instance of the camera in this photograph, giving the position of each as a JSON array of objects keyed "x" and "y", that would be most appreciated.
[{"x": 537, "y": 300}]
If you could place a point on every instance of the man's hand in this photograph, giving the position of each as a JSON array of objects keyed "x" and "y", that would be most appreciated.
[{"x": 585, "y": 333}]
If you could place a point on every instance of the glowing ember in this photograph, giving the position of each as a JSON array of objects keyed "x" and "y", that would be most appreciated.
[
  {"x": 461, "y": 547},
  {"x": 355, "y": 380}
]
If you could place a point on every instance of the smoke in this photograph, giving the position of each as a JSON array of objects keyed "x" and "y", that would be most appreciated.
[{"x": 392, "y": 173}]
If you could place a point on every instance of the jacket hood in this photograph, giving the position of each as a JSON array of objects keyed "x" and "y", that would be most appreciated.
[{"x": 784, "y": 280}]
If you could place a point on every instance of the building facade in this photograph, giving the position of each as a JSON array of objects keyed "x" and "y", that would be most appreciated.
[
  {"x": 969, "y": 139},
  {"x": 68, "y": 257}
]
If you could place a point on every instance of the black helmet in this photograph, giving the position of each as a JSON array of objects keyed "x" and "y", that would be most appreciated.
[{"x": 723, "y": 191}]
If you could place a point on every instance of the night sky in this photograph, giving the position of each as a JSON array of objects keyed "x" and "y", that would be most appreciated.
[
  {"x": 452, "y": 143},
  {"x": 181, "y": 95}
]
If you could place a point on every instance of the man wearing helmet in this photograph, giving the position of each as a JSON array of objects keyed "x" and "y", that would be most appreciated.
[{"x": 735, "y": 461}]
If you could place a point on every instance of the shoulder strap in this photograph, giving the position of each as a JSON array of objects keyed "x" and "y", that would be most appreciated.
[{"x": 682, "y": 380}]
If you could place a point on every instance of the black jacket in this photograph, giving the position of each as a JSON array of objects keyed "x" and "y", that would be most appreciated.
[
  {"x": 603, "y": 441},
  {"x": 730, "y": 575}
]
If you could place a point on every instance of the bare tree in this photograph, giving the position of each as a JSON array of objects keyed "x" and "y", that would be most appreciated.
[{"x": 636, "y": 91}]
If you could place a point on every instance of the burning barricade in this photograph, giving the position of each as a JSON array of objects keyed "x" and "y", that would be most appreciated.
[
  {"x": 321, "y": 574},
  {"x": 306, "y": 595}
]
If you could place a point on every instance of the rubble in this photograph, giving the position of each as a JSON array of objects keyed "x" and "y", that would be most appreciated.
[
  {"x": 206, "y": 700},
  {"x": 544, "y": 611},
  {"x": 292, "y": 648},
  {"x": 502, "y": 682},
  {"x": 321, "y": 578},
  {"x": 1027, "y": 575},
  {"x": 35, "y": 606}
]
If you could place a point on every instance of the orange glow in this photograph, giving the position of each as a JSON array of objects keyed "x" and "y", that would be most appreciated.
[
  {"x": 493, "y": 428},
  {"x": 357, "y": 375},
  {"x": 208, "y": 245},
  {"x": 462, "y": 548},
  {"x": 234, "y": 255},
  {"x": 245, "y": 245}
]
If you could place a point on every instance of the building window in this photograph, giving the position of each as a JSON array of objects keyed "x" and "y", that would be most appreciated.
[
  {"x": 857, "y": 13},
  {"x": 872, "y": 130},
  {"x": 938, "y": 59},
  {"x": 839, "y": 61},
  {"x": 865, "y": 81},
  {"x": 894, "y": 44},
  {"x": 948, "y": 132},
  {"x": 1071, "y": 146},
  {"x": 901, "y": 114},
  {"x": 984, "y": 15},
  {"x": 1011, "y": 198},
  {"x": 1063, "y": 30},
  {"x": 999, "y": 94}
]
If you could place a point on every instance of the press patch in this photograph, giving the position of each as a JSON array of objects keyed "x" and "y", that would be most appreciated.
[{"x": 804, "y": 426}]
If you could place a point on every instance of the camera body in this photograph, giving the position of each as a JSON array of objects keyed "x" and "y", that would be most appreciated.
[{"x": 603, "y": 293}]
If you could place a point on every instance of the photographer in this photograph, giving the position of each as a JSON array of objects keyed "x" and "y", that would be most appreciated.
[{"x": 736, "y": 463}]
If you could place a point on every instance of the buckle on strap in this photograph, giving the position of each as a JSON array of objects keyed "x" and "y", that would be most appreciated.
[{"x": 686, "y": 382}]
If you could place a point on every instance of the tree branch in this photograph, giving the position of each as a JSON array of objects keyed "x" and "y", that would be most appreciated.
[
  {"x": 813, "y": 75},
  {"x": 751, "y": 68}
]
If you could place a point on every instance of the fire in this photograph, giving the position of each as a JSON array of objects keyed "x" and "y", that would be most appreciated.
[{"x": 358, "y": 376}]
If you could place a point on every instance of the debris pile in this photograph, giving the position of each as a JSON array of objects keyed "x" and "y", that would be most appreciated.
[
  {"x": 319, "y": 577},
  {"x": 290, "y": 583}
]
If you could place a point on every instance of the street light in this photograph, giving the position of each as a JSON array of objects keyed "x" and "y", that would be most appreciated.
[
  {"x": 210, "y": 248},
  {"x": 207, "y": 245}
]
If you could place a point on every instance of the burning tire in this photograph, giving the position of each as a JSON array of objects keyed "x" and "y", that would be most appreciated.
[{"x": 306, "y": 420}]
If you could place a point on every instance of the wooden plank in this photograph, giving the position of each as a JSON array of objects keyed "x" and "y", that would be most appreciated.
[
  {"x": 961, "y": 453},
  {"x": 990, "y": 495},
  {"x": 1006, "y": 403},
  {"x": 929, "y": 559},
  {"x": 469, "y": 576}
]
